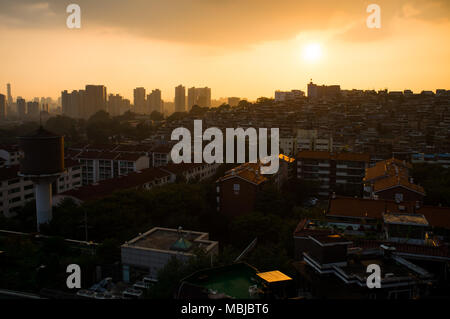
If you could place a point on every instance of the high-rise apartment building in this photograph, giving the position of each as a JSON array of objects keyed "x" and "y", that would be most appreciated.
[
  {"x": 117, "y": 105},
  {"x": 139, "y": 100},
  {"x": 74, "y": 104},
  {"x": 8, "y": 89},
  {"x": 199, "y": 96},
  {"x": 180, "y": 99},
  {"x": 154, "y": 101},
  {"x": 3, "y": 111},
  {"x": 21, "y": 107},
  {"x": 95, "y": 100},
  {"x": 33, "y": 109}
]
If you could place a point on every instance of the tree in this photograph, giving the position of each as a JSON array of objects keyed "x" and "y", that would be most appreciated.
[{"x": 156, "y": 116}]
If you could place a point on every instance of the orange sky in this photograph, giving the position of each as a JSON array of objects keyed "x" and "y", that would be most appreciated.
[{"x": 245, "y": 48}]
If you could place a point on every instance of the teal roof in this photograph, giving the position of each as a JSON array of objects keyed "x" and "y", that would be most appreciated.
[{"x": 181, "y": 244}]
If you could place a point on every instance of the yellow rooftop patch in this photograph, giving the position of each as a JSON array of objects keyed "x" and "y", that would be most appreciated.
[{"x": 273, "y": 276}]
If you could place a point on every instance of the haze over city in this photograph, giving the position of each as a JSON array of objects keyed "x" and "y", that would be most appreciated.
[
  {"x": 216, "y": 158},
  {"x": 238, "y": 48}
]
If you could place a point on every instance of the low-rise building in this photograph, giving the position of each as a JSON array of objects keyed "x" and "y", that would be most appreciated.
[
  {"x": 145, "y": 179},
  {"x": 149, "y": 252},
  {"x": 237, "y": 190},
  {"x": 336, "y": 172},
  {"x": 390, "y": 179}
]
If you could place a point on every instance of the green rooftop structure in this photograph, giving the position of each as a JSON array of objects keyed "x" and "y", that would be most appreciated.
[
  {"x": 237, "y": 281},
  {"x": 181, "y": 245}
]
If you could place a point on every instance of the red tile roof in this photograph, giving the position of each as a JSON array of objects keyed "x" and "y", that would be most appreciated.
[
  {"x": 359, "y": 207},
  {"x": 394, "y": 181},
  {"x": 109, "y": 186},
  {"x": 247, "y": 171}
]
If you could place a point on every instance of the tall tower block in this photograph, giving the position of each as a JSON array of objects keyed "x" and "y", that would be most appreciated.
[{"x": 43, "y": 162}]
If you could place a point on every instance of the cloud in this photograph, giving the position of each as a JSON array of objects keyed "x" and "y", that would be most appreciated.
[{"x": 225, "y": 23}]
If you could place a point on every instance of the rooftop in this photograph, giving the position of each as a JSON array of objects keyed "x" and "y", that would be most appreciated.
[
  {"x": 169, "y": 239},
  {"x": 109, "y": 186},
  {"x": 344, "y": 156},
  {"x": 405, "y": 219},
  {"x": 371, "y": 208},
  {"x": 247, "y": 171},
  {"x": 231, "y": 281}
]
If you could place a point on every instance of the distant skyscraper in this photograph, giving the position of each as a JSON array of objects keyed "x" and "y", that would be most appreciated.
[
  {"x": 74, "y": 104},
  {"x": 180, "y": 99},
  {"x": 3, "y": 111},
  {"x": 33, "y": 109},
  {"x": 8, "y": 89},
  {"x": 199, "y": 96},
  {"x": 154, "y": 101},
  {"x": 95, "y": 100},
  {"x": 21, "y": 107},
  {"x": 139, "y": 100},
  {"x": 117, "y": 105}
]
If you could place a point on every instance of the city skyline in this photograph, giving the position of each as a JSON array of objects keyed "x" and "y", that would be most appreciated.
[{"x": 273, "y": 47}]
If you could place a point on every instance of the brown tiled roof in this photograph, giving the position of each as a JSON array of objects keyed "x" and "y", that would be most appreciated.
[
  {"x": 129, "y": 157},
  {"x": 391, "y": 167},
  {"x": 181, "y": 167},
  {"x": 109, "y": 186},
  {"x": 247, "y": 171},
  {"x": 133, "y": 148},
  {"x": 359, "y": 207},
  {"x": 98, "y": 155},
  {"x": 393, "y": 181},
  {"x": 162, "y": 149}
]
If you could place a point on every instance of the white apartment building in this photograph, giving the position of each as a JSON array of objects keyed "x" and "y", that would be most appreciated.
[
  {"x": 98, "y": 166},
  {"x": 16, "y": 191},
  {"x": 70, "y": 179},
  {"x": 10, "y": 154}
]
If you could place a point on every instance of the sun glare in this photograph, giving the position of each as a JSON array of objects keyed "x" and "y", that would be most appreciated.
[{"x": 312, "y": 52}]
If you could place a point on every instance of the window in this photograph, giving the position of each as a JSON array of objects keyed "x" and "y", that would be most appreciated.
[
  {"x": 13, "y": 181},
  {"x": 399, "y": 197},
  {"x": 236, "y": 189},
  {"x": 14, "y": 190}
]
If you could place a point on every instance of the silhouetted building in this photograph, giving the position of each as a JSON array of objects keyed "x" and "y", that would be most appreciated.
[
  {"x": 233, "y": 101},
  {"x": 95, "y": 100},
  {"x": 33, "y": 109},
  {"x": 199, "y": 96},
  {"x": 3, "y": 111},
  {"x": 139, "y": 100},
  {"x": 154, "y": 101},
  {"x": 323, "y": 91},
  {"x": 180, "y": 99},
  {"x": 335, "y": 172},
  {"x": 21, "y": 108}
]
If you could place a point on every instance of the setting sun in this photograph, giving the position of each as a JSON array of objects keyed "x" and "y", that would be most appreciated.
[{"x": 312, "y": 52}]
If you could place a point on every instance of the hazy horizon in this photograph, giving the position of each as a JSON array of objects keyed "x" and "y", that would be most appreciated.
[{"x": 245, "y": 49}]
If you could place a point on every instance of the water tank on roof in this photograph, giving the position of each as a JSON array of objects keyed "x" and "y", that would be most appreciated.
[{"x": 43, "y": 153}]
